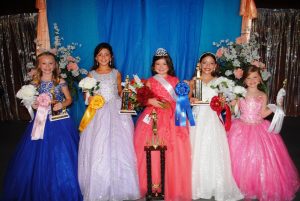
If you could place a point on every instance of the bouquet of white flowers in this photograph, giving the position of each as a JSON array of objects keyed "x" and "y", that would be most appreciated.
[
  {"x": 28, "y": 94},
  {"x": 89, "y": 84}
]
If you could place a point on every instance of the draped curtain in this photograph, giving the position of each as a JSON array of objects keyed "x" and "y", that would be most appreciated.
[
  {"x": 17, "y": 35},
  {"x": 136, "y": 28},
  {"x": 279, "y": 38}
]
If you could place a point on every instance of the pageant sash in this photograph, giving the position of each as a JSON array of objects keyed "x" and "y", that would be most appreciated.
[
  {"x": 183, "y": 108},
  {"x": 41, "y": 117},
  {"x": 96, "y": 103},
  {"x": 166, "y": 85},
  {"x": 277, "y": 120}
]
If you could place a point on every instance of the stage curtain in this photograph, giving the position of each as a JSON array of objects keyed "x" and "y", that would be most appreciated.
[
  {"x": 279, "y": 39},
  {"x": 136, "y": 28},
  {"x": 17, "y": 35}
]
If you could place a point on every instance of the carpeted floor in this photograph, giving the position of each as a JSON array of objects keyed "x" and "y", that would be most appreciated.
[{"x": 11, "y": 132}]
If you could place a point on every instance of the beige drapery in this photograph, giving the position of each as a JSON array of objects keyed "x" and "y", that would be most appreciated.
[{"x": 43, "y": 39}]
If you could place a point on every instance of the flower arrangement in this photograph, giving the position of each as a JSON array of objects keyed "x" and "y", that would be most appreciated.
[
  {"x": 28, "y": 94},
  {"x": 69, "y": 69},
  {"x": 235, "y": 57},
  {"x": 89, "y": 84},
  {"x": 228, "y": 88}
]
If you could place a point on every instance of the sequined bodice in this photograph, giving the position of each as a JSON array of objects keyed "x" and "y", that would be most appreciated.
[
  {"x": 49, "y": 88},
  {"x": 108, "y": 84},
  {"x": 251, "y": 109}
]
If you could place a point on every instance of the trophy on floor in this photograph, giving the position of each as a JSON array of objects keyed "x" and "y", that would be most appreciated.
[
  {"x": 127, "y": 107},
  {"x": 197, "y": 92},
  {"x": 155, "y": 191},
  {"x": 59, "y": 114}
]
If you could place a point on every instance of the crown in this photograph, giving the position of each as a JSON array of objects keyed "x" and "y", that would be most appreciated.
[
  {"x": 207, "y": 53},
  {"x": 161, "y": 52}
]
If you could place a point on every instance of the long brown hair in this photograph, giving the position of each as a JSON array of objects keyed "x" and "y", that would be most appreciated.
[
  {"x": 169, "y": 62},
  {"x": 55, "y": 73}
]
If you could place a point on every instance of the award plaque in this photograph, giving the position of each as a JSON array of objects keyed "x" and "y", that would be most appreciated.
[
  {"x": 197, "y": 91},
  {"x": 155, "y": 191},
  {"x": 59, "y": 114},
  {"x": 126, "y": 106}
]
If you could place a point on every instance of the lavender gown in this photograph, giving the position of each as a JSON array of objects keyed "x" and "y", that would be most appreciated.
[{"x": 107, "y": 163}]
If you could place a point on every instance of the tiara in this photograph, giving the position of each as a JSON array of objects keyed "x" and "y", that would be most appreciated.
[
  {"x": 207, "y": 53},
  {"x": 161, "y": 52}
]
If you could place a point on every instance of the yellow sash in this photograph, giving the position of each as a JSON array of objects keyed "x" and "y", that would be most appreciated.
[{"x": 96, "y": 103}]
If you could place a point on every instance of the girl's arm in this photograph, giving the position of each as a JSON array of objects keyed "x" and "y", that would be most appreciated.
[
  {"x": 265, "y": 110},
  {"x": 68, "y": 97},
  {"x": 153, "y": 101},
  {"x": 119, "y": 81}
]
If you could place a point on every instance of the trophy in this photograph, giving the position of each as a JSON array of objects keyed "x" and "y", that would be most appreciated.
[
  {"x": 59, "y": 114},
  {"x": 155, "y": 191},
  {"x": 197, "y": 92},
  {"x": 127, "y": 107}
]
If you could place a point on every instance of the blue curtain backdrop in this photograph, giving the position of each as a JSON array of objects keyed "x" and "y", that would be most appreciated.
[{"x": 136, "y": 28}]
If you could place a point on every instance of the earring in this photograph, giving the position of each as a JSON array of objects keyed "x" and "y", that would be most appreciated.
[
  {"x": 110, "y": 63},
  {"x": 97, "y": 63}
]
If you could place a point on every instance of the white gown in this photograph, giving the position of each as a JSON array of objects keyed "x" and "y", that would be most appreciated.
[
  {"x": 211, "y": 165},
  {"x": 106, "y": 160}
]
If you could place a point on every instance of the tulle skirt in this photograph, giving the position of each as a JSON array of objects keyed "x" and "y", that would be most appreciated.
[
  {"x": 177, "y": 155},
  {"x": 211, "y": 164},
  {"x": 107, "y": 163},
  {"x": 45, "y": 170},
  {"x": 261, "y": 164}
]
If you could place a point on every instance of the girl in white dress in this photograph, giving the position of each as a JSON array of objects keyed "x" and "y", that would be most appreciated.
[{"x": 211, "y": 165}]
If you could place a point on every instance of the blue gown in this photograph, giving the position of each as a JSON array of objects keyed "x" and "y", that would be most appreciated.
[{"x": 45, "y": 169}]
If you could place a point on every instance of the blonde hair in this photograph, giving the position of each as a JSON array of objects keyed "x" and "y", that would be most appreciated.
[{"x": 55, "y": 73}]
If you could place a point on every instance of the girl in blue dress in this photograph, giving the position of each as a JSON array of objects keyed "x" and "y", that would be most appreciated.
[{"x": 44, "y": 166}]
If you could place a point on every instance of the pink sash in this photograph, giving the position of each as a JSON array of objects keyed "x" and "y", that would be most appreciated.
[{"x": 41, "y": 117}]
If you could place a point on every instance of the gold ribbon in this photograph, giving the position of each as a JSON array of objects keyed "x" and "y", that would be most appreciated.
[{"x": 96, "y": 103}]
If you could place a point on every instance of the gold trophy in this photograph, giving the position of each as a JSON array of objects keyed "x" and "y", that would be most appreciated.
[
  {"x": 59, "y": 114},
  {"x": 197, "y": 92},
  {"x": 127, "y": 107}
]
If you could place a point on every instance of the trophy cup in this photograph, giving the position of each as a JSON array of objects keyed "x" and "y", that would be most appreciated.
[
  {"x": 197, "y": 92},
  {"x": 126, "y": 106},
  {"x": 155, "y": 191},
  {"x": 59, "y": 114}
]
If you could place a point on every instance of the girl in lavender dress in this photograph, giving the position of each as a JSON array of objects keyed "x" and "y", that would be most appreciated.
[
  {"x": 107, "y": 163},
  {"x": 261, "y": 164}
]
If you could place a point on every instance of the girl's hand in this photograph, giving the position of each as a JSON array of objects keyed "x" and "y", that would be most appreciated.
[
  {"x": 35, "y": 105},
  {"x": 57, "y": 106},
  {"x": 154, "y": 102}
]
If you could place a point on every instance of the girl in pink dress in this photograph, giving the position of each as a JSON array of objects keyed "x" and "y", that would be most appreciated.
[
  {"x": 261, "y": 164},
  {"x": 178, "y": 154}
]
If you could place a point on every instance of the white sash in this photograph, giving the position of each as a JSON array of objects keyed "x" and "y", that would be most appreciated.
[{"x": 166, "y": 85}]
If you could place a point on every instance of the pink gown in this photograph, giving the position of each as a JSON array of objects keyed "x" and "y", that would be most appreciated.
[
  {"x": 178, "y": 154},
  {"x": 261, "y": 164}
]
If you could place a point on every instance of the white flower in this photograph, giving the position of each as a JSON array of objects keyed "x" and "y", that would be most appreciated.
[
  {"x": 63, "y": 75},
  {"x": 87, "y": 83},
  {"x": 239, "y": 91},
  {"x": 83, "y": 71},
  {"x": 138, "y": 81},
  {"x": 27, "y": 92},
  {"x": 228, "y": 72}
]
